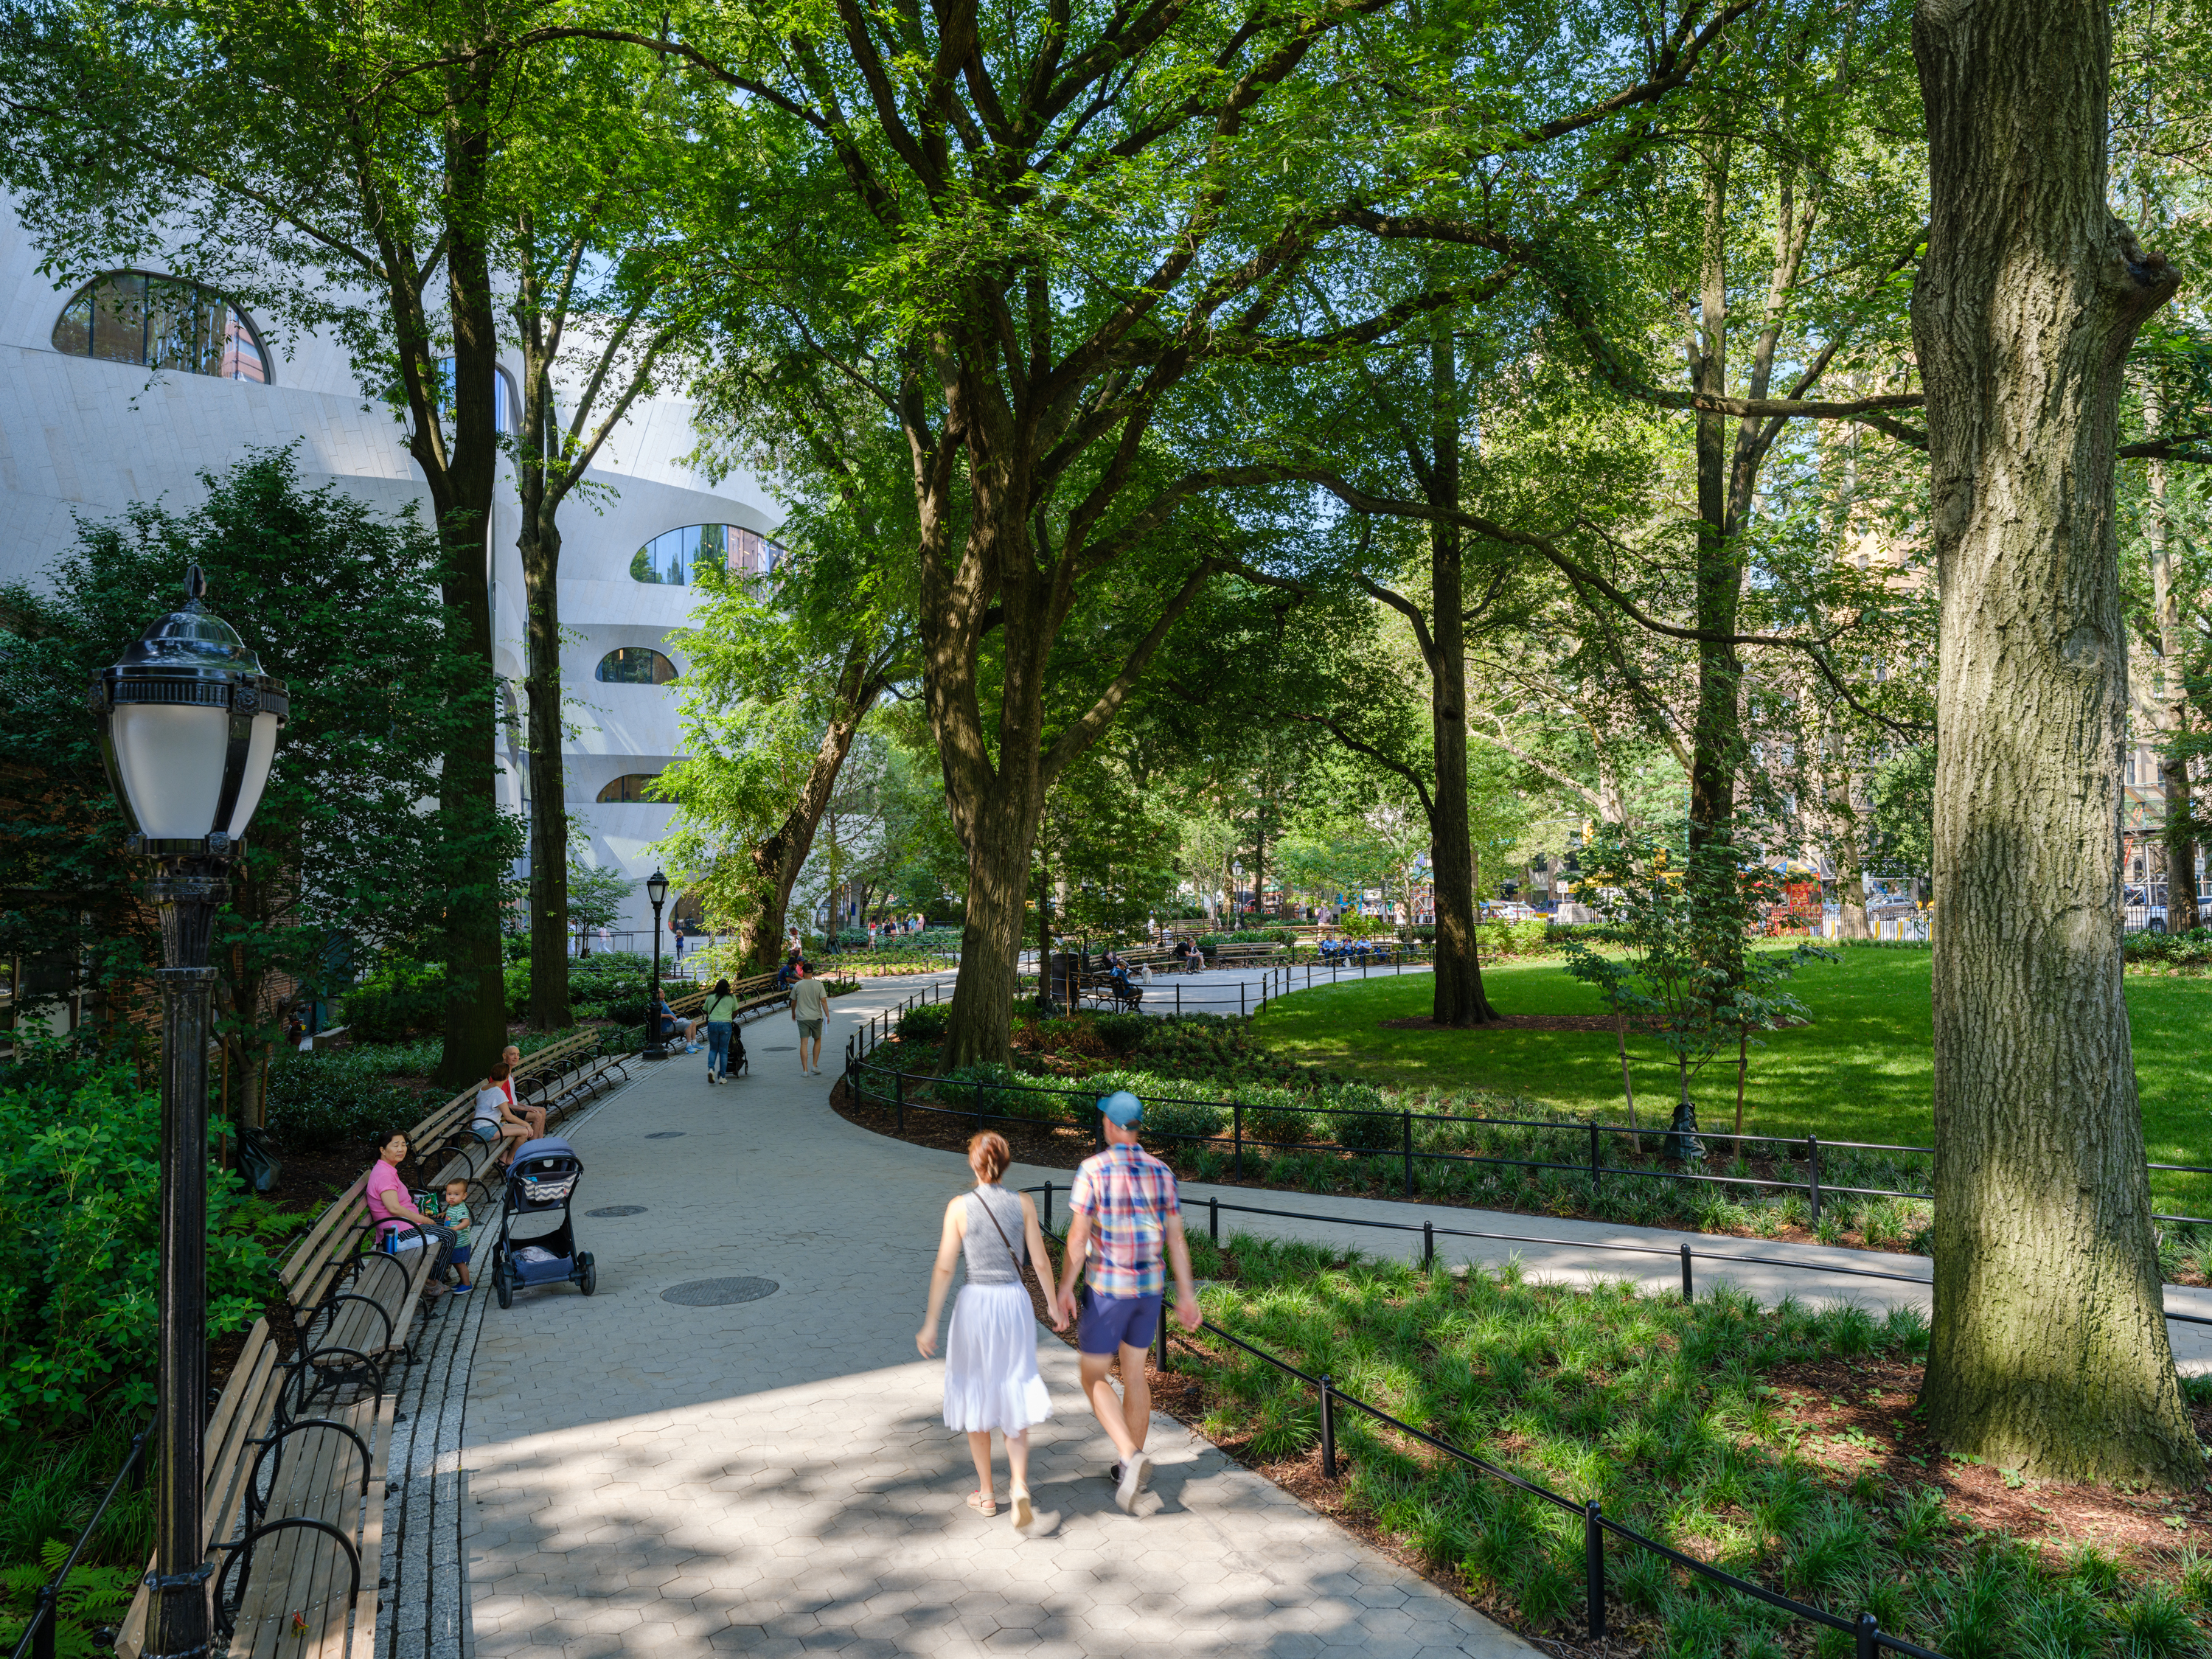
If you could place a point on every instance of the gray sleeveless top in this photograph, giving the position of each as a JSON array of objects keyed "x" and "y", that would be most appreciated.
[{"x": 989, "y": 1261}]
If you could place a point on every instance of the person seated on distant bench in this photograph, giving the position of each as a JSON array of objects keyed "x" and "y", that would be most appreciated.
[
  {"x": 1184, "y": 950},
  {"x": 511, "y": 1057},
  {"x": 668, "y": 1024},
  {"x": 496, "y": 1121}
]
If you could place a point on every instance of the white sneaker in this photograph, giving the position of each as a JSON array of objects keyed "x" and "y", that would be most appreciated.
[{"x": 1135, "y": 1473}]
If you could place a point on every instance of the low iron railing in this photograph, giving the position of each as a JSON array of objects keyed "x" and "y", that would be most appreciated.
[{"x": 861, "y": 1044}]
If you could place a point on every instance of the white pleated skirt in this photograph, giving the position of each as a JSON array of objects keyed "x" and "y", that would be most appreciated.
[{"x": 991, "y": 1379}]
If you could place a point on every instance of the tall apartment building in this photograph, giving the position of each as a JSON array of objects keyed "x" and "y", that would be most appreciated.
[{"x": 127, "y": 388}]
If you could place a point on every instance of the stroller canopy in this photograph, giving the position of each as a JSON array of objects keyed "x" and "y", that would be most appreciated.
[{"x": 549, "y": 1146}]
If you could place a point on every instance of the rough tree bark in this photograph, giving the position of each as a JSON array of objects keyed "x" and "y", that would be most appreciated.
[{"x": 2050, "y": 1350}]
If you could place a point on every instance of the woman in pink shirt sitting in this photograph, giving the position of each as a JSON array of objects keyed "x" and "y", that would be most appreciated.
[{"x": 394, "y": 1213}]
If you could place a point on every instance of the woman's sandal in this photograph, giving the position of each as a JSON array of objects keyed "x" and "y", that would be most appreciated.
[
  {"x": 1024, "y": 1514},
  {"x": 983, "y": 1503}
]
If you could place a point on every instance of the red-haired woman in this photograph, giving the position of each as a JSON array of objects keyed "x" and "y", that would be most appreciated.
[{"x": 991, "y": 1380}]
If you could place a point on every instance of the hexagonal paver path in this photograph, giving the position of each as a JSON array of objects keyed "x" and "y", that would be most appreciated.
[{"x": 774, "y": 1477}]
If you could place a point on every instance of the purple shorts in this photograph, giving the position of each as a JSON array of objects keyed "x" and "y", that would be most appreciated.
[{"x": 1109, "y": 1323}]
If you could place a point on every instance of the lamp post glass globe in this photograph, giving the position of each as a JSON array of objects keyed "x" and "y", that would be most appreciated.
[
  {"x": 656, "y": 889},
  {"x": 188, "y": 727}
]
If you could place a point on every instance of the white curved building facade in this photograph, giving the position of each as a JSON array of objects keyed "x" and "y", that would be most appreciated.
[{"x": 85, "y": 435}]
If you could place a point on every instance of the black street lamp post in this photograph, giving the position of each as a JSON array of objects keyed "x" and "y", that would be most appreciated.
[
  {"x": 656, "y": 889},
  {"x": 188, "y": 725}
]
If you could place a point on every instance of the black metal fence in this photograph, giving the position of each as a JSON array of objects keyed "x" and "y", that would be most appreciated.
[
  {"x": 902, "y": 1094},
  {"x": 39, "y": 1636}
]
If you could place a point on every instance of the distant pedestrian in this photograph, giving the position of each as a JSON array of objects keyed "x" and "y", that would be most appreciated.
[
  {"x": 810, "y": 1007},
  {"x": 991, "y": 1379},
  {"x": 1126, "y": 1216},
  {"x": 721, "y": 1014}
]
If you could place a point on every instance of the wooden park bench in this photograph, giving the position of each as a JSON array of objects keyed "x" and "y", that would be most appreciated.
[
  {"x": 299, "y": 1442},
  {"x": 1236, "y": 955}
]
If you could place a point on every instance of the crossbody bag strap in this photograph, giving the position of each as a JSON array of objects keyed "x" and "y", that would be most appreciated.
[{"x": 984, "y": 1204}]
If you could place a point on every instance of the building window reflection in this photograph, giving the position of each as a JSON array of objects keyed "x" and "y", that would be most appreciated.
[
  {"x": 161, "y": 322},
  {"x": 637, "y": 664},
  {"x": 670, "y": 558},
  {"x": 631, "y": 787},
  {"x": 505, "y": 399}
]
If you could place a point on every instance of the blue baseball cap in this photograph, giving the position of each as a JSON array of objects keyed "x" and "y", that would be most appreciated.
[{"x": 1122, "y": 1108}]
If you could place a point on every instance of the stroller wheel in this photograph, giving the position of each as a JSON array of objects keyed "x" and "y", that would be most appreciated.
[
  {"x": 590, "y": 1280},
  {"x": 504, "y": 1287}
]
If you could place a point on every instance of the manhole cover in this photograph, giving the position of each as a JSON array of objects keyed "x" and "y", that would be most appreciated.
[
  {"x": 780, "y": 1048},
  {"x": 666, "y": 1134},
  {"x": 619, "y": 1209},
  {"x": 719, "y": 1292}
]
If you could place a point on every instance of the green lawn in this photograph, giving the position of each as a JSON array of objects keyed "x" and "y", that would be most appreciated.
[{"x": 1859, "y": 1071}]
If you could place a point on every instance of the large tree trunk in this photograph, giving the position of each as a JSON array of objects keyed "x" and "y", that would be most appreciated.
[
  {"x": 539, "y": 544},
  {"x": 2050, "y": 1350},
  {"x": 1458, "y": 998},
  {"x": 461, "y": 493},
  {"x": 1000, "y": 833}
]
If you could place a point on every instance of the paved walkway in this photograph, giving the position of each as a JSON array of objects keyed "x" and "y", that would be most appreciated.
[{"x": 774, "y": 1476}]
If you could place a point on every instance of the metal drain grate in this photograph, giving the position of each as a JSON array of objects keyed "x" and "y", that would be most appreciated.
[
  {"x": 719, "y": 1292},
  {"x": 666, "y": 1134},
  {"x": 619, "y": 1209},
  {"x": 779, "y": 1049}
]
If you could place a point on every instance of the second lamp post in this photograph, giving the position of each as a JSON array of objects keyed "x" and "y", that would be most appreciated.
[{"x": 656, "y": 889}]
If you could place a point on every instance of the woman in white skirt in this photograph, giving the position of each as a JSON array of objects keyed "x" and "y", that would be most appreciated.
[{"x": 991, "y": 1380}]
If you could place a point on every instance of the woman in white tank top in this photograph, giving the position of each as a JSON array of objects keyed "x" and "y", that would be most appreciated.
[{"x": 991, "y": 1380}]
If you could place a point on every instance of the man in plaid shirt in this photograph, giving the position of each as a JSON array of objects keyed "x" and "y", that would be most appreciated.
[{"x": 1126, "y": 1217}]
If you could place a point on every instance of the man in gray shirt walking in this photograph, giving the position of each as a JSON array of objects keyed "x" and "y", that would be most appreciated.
[{"x": 810, "y": 1007}]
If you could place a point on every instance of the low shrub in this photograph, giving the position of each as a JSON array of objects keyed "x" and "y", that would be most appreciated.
[
  {"x": 398, "y": 1001},
  {"x": 1275, "y": 1115},
  {"x": 981, "y": 1088},
  {"x": 1184, "y": 1117},
  {"x": 1497, "y": 940},
  {"x": 1123, "y": 1034},
  {"x": 341, "y": 1097},
  {"x": 1355, "y": 1127},
  {"x": 925, "y": 1023}
]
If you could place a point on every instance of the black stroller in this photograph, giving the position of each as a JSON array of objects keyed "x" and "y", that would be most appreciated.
[{"x": 542, "y": 1179}]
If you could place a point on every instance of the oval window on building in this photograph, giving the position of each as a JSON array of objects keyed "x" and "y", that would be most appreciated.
[
  {"x": 670, "y": 558},
  {"x": 161, "y": 322},
  {"x": 637, "y": 664},
  {"x": 631, "y": 787},
  {"x": 505, "y": 399}
]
